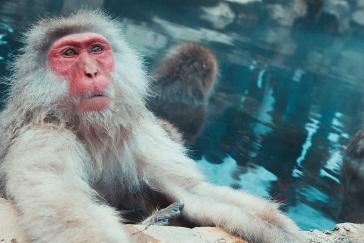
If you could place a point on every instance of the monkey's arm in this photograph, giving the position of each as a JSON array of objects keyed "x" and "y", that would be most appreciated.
[
  {"x": 46, "y": 178},
  {"x": 176, "y": 176}
]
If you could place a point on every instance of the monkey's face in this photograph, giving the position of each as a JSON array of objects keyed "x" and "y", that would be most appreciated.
[{"x": 86, "y": 61}]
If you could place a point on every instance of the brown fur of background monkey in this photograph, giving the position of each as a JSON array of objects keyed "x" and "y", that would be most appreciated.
[
  {"x": 183, "y": 81},
  {"x": 352, "y": 180}
]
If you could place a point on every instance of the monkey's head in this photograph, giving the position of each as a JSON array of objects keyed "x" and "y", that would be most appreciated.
[{"x": 78, "y": 66}]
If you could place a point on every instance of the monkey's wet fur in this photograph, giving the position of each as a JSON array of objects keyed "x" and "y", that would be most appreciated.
[{"x": 78, "y": 141}]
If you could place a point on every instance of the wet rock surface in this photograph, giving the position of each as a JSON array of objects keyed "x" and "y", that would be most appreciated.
[
  {"x": 10, "y": 232},
  {"x": 342, "y": 233},
  {"x": 166, "y": 234}
]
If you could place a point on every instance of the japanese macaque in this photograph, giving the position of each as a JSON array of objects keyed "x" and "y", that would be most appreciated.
[
  {"x": 184, "y": 80},
  {"x": 352, "y": 179},
  {"x": 78, "y": 141}
]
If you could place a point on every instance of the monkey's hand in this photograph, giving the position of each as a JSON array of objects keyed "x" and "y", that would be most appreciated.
[
  {"x": 264, "y": 210},
  {"x": 46, "y": 178},
  {"x": 163, "y": 216},
  {"x": 252, "y": 218}
]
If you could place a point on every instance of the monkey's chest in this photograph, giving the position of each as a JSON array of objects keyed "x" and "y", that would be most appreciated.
[
  {"x": 120, "y": 197},
  {"x": 117, "y": 181},
  {"x": 124, "y": 195},
  {"x": 121, "y": 185},
  {"x": 118, "y": 178}
]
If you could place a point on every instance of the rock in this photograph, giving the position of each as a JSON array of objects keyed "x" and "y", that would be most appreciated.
[
  {"x": 358, "y": 17},
  {"x": 285, "y": 14},
  {"x": 213, "y": 234},
  {"x": 172, "y": 234},
  {"x": 220, "y": 15},
  {"x": 342, "y": 233},
  {"x": 341, "y": 10},
  {"x": 10, "y": 232}
]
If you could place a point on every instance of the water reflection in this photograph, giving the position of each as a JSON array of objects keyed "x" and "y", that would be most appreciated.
[
  {"x": 289, "y": 95},
  {"x": 252, "y": 178}
]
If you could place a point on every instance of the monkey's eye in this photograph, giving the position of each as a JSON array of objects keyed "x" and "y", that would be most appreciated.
[
  {"x": 97, "y": 48},
  {"x": 69, "y": 52}
]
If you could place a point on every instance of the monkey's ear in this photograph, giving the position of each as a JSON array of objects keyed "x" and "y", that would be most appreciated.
[{"x": 189, "y": 66}]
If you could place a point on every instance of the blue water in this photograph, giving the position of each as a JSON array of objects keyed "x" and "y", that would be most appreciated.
[{"x": 287, "y": 102}]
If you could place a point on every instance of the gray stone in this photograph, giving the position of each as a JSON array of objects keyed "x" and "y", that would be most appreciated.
[
  {"x": 11, "y": 232},
  {"x": 358, "y": 17}
]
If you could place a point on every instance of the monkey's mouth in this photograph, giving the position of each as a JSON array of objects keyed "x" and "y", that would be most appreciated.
[
  {"x": 94, "y": 95},
  {"x": 98, "y": 101}
]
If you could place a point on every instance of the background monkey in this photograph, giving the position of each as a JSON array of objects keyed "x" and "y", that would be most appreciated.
[
  {"x": 352, "y": 179},
  {"x": 184, "y": 80},
  {"x": 78, "y": 141}
]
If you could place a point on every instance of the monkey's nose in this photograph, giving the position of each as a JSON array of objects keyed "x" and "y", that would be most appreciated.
[
  {"x": 89, "y": 66},
  {"x": 91, "y": 73},
  {"x": 90, "y": 69}
]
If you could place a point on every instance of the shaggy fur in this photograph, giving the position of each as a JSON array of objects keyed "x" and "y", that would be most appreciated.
[
  {"x": 66, "y": 171},
  {"x": 183, "y": 82},
  {"x": 352, "y": 180}
]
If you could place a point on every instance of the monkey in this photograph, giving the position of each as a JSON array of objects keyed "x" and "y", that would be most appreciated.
[
  {"x": 183, "y": 82},
  {"x": 352, "y": 180},
  {"x": 78, "y": 140}
]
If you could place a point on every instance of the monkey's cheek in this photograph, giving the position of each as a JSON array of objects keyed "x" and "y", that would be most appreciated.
[{"x": 96, "y": 104}]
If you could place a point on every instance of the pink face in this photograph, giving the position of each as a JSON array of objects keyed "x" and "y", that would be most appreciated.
[{"x": 86, "y": 61}]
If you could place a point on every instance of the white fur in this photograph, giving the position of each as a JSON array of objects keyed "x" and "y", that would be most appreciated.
[{"x": 65, "y": 169}]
